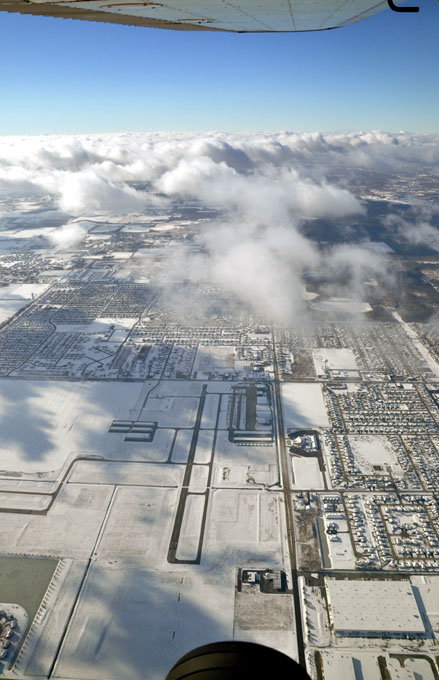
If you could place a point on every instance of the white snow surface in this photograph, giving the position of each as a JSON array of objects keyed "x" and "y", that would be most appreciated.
[
  {"x": 307, "y": 473},
  {"x": 130, "y": 619},
  {"x": 342, "y": 305},
  {"x": 9, "y": 307},
  {"x": 43, "y": 422},
  {"x": 333, "y": 358},
  {"x": 303, "y": 406}
]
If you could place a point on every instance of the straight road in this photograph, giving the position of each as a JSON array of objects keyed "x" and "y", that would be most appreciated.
[{"x": 282, "y": 451}]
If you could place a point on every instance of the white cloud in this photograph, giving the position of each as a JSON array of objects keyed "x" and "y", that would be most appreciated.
[
  {"x": 67, "y": 236},
  {"x": 87, "y": 190},
  {"x": 266, "y": 186}
]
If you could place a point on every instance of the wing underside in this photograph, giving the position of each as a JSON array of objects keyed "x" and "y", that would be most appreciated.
[{"x": 251, "y": 16}]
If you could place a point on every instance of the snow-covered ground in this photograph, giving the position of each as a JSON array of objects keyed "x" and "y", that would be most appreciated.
[
  {"x": 375, "y": 450},
  {"x": 266, "y": 619},
  {"x": 342, "y": 305},
  {"x": 187, "y": 548},
  {"x": 36, "y": 656},
  {"x": 429, "y": 359},
  {"x": 100, "y": 326},
  {"x": 138, "y": 525},
  {"x": 244, "y": 528},
  {"x": 314, "y": 614},
  {"x": 9, "y": 307},
  {"x": 307, "y": 473},
  {"x": 211, "y": 358},
  {"x": 232, "y": 476},
  {"x": 303, "y": 406},
  {"x": 379, "y": 247},
  {"x": 70, "y": 528},
  {"x": 44, "y": 422},
  {"x": 182, "y": 444},
  {"x": 203, "y": 452},
  {"x": 199, "y": 477},
  {"x": 126, "y": 474},
  {"x": 333, "y": 359},
  {"x": 23, "y": 501},
  {"x": 22, "y": 291},
  {"x": 171, "y": 411},
  {"x": 135, "y": 623},
  {"x": 228, "y": 453},
  {"x": 210, "y": 411}
]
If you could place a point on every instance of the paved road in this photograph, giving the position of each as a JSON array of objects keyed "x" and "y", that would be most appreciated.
[{"x": 282, "y": 449}]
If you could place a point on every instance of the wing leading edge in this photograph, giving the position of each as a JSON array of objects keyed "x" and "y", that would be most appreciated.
[{"x": 246, "y": 16}]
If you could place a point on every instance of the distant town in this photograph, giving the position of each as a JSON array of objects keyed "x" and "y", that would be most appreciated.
[{"x": 177, "y": 468}]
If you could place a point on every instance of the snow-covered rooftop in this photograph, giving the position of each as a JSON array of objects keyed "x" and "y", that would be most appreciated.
[{"x": 374, "y": 606}]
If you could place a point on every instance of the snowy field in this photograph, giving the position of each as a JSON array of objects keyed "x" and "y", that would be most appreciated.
[
  {"x": 267, "y": 619},
  {"x": 156, "y": 451},
  {"x": 307, "y": 473},
  {"x": 203, "y": 452},
  {"x": 130, "y": 619},
  {"x": 243, "y": 528},
  {"x": 125, "y": 474},
  {"x": 375, "y": 450},
  {"x": 303, "y": 406},
  {"x": 35, "y": 659},
  {"x": 199, "y": 477},
  {"x": 379, "y": 247},
  {"x": 171, "y": 411},
  {"x": 139, "y": 525},
  {"x": 219, "y": 386},
  {"x": 228, "y": 453},
  {"x": 342, "y": 306},
  {"x": 187, "y": 548},
  {"x": 22, "y": 291},
  {"x": 423, "y": 351},
  {"x": 334, "y": 359},
  {"x": 230, "y": 476},
  {"x": 43, "y": 422},
  {"x": 182, "y": 444},
  {"x": 178, "y": 388},
  {"x": 23, "y": 501},
  {"x": 9, "y": 307},
  {"x": 70, "y": 528},
  {"x": 210, "y": 411},
  {"x": 100, "y": 326},
  {"x": 210, "y": 358}
]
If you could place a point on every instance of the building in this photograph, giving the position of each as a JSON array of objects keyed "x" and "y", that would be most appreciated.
[{"x": 374, "y": 609}]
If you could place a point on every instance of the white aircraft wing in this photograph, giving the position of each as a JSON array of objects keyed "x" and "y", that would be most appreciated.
[{"x": 247, "y": 16}]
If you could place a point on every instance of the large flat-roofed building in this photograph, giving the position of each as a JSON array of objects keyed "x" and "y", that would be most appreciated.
[{"x": 374, "y": 608}]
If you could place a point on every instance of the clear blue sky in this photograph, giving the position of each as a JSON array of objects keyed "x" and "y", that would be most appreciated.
[{"x": 63, "y": 76}]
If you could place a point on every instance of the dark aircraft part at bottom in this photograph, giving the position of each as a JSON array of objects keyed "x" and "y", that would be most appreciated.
[{"x": 236, "y": 661}]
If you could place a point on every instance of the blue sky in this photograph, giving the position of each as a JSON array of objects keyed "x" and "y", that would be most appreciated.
[{"x": 63, "y": 76}]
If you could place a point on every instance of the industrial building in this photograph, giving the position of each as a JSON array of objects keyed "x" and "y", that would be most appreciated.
[{"x": 374, "y": 609}]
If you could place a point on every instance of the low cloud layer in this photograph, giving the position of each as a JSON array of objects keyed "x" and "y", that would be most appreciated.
[{"x": 268, "y": 189}]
